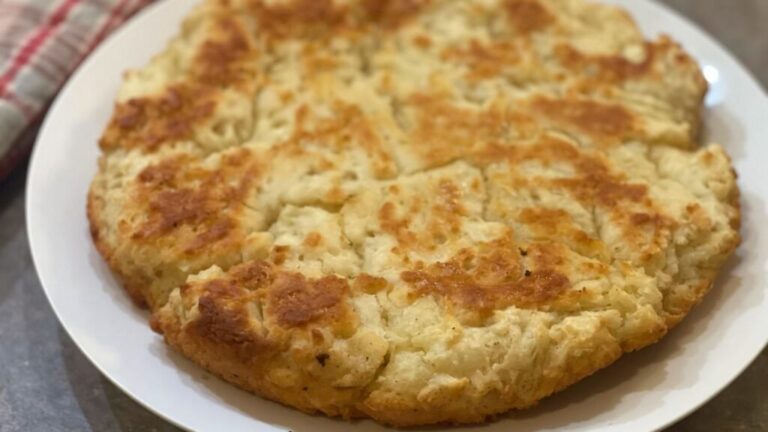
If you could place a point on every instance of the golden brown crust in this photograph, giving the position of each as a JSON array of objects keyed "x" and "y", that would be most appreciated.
[
  {"x": 294, "y": 301},
  {"x": 150, "y": 122},
  {"x": 606, "y": 121},
  {"x": 528, "y": 16},
  {"x": 221, "y": 61},
  {"x": 420, "y": 211}
]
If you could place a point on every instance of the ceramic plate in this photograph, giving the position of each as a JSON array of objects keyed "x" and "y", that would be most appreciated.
[{"x": 644, "y": 391}]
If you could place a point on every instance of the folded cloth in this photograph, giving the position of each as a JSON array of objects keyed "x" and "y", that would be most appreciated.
[{"x": 41, "y": 43}]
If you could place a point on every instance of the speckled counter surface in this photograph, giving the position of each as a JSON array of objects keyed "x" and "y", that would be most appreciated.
[{"x": 46, "y": 384}]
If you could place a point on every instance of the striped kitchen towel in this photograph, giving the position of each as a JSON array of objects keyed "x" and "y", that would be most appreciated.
[{"x": 41, "y": 42}]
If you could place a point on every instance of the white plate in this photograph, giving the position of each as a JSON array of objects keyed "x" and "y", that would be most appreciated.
[{"x": 644, "y": 391}]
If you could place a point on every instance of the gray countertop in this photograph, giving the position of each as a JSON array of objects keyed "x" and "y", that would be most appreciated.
[{"x": 46, "y": 384}]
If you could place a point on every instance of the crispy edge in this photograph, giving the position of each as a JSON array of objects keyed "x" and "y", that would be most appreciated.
[{"x": 134, "y": 286}]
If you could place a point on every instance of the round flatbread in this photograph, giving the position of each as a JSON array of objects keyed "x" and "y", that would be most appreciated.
[{"x": 417, "y": 211}]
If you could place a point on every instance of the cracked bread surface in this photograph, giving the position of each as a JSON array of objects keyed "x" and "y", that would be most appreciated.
[{"x": 411, "y": 210}]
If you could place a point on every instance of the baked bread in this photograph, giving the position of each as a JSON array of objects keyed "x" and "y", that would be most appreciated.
[{"x": 417, "y": 211}]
